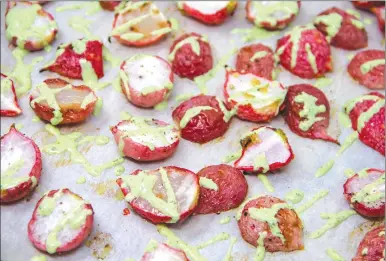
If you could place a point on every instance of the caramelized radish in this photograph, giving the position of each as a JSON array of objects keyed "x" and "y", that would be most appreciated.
[
  {"x": 9, "y": 104},
  {"x": 61, "y": 221},
  {"x": 140, "y": 24},
  {"x": 29, "y": 26},
  {"x": 60, "y": 102},
  {"x": 264, "y": 149},
  {"x": 21, "y": 166},
  {"x": 165, "y": 195}
]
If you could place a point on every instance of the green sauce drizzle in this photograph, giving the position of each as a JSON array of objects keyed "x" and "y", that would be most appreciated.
[
  {"x": 368, "y": 193},
  {"x": 335, "y": 256},
  {"x": 333, "y": 220},
  {"x": 225, "y": 220},
  {"x": 260, "y": 249},
  {"x": 7, "y": 173},
  {"x": 295, "y": 196},
  {"x": 192, "y": 41},
  {"x": 184, "y": 96},
  {"x": 119, "y": 170},
  {"x": 268, "y": 12},
  {"x": 69, "y": 143},
  {"x": 220, "y": 237},
  {"x": 349, "y": 106},
  {"x": 367, "y": 115},
  {"x": 348, "y": 142},
  {"x": 228, "y": 256},
  {"x": 208, "y": 183},
  {"x": 261, "y": 162},
  {"x": 358, "y": 24},
  {"x": 321, "y": 194},
  {"x": 258, "y": 55},
  {"x": 368, "y": 66},
  {"x": 309, "y": 111},
  {"x": 349, "y": 173},
  {"x": 333, "y": 23},
  {"x": 233, "y": 156},
  {"x": 191, "y": 113},
  {"x": 268, "y": 186},
  {"x": 344, "y": 120},
  {"x": 311, "y": 58},
  {"x": 322, "y": 82},
  {"x": 39, "y": 258},
  {"x": 91, "y": 7},
  {"x": 253, "y": 34},
  {"x": 81, "y": 180}
]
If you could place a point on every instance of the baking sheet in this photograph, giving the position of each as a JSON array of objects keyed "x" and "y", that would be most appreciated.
[{"x": 119, "y": 237}]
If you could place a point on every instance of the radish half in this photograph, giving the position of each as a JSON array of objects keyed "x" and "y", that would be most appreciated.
[
  {"x": 9, "y": 104},
  {"x": 139, "y": 23},
  {"x": 60, "y": 102},
  {"x": 146, "y": 80},
  {"x": 61, "y": 221},
  {"x": 164, "y": 252},
  {"x": 21, "y": 165},
  {"x": 165, "y": 195}
]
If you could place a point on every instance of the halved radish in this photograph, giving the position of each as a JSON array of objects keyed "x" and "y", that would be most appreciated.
[
  {"x": 60, "y": 102},
  {"x": 21, "y": 166},
  {"x": 164, "y": 252},
  {"x": 9, "y": 104},
  {"x": 367, "y": 5},
  {"x": 264, "y": 149},
  {"x": 140, "y": 23},
  {"x": 109, "y": 5},
  {"x": 307, "y": 112},
  {"x": 380, "y": 14},
  {"x": 256, "y": 98},
  {"x": 275, "y": 220},
  {"x": 208, "y": 12},
  {"x": 146, "y": 139},
  {"x": 372, "y": 246},
  {"x": 272, "y": 15},
  {"x": 146, "y": 80},
  {"x": 366, "y": 192},
  {"x": 29, "y": 26},
  {"x": 202, "y": 118},
  {"x": 70, "y": 57},
  {"x": 191, "y": 55},
  {"x": 61, "y": 221},
  {"x": 165, "y": 195}
]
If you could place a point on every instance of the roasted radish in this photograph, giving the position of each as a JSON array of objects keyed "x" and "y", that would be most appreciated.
[
  {"x": 61, "y": 221},
  {"x": 368, "y": 68},
  {"x": 146, "y": 139},
  {"x": 140, "y": 23},
  {"x": 146, "y": 80},
  {"x": 366, "y": 192},
  {"x": 29, "y": 26},
  {"x": 208, "y": 12},
  {"x": 9, "y": 104},
  {"x": 380, "y": 14},
  {"x": 109, "y": 5},
  {"x": 258, "y": 59},
  {"x": 191, "y": 56},
  {"x": 367, "y": 5},
  {"x": 60, "y": 102},
  {"x": 163, "y": 252},
  {"x": 21, "y": 166},
  {"x": 79, "y": 58},
  {"x": 222, "y": 188},
  {"x": 202, "y": 118},
  {"x": 367, "y": 114},
  {"x": 272, "y": 15},
  {"x": 165, "y": 195},
  {"x": 264, "y": 149},
  {"x": 307, "y": 112},
  {"x": 342, "y": 29},
  {"x": 271, "y": 224},
  {"x": 254, "y": 98},
  {"x": 305, "y": 52},
  {"x": 372, "y": 246}
]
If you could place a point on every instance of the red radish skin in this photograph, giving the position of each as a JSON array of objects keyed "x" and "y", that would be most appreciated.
[
  {"x": 140, "y": 152},
  {"x": 9, "y": 104},
  {"x": 186, "y": 63},
  {"x": 157, "y": 21},
  {"x": 290, "y": 225},
  {"x": 165, "y": 251},
  {"x": 352, "y": 186},
  {"x": 151, "y": 99},
  {"x": 216, "y": 18},
  {"x": 292, "y": 113},
  {"x": 33, "y": 45},
  {"x": 22, "y": 189},
  {"x": 349, "y": 37},
  {"x": 74, "y": 241},
  {"x": 318, "y": 46},
  {"x": 380, "y": 14},
  {"x": 253, "y": 140},
  {"x": 375, "y": 78},
  {"x": 232, "y": 189},
  {"x": 247, "y": 111},
  {"x": 280, "y": 23},
  {"x": 71, "y": 112},
  {"x": 109, "y": 5},
  {"x": 367, "y": 5},
  {"x": 264, "y": 67},
  {"x": 374, "y": 242},
  {"x": 144, "y": 209},
  {"x": 67, "y": 64},
  {"x": 207, "y": 125}
]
